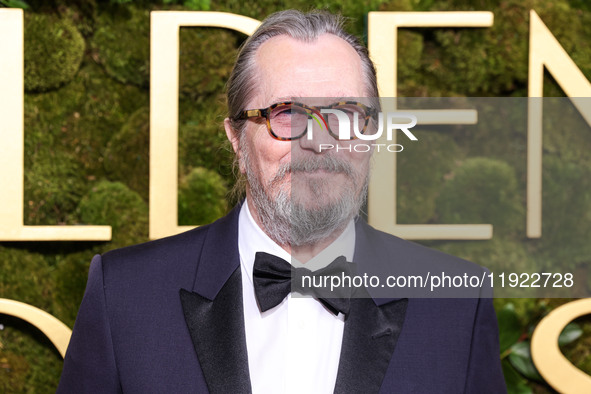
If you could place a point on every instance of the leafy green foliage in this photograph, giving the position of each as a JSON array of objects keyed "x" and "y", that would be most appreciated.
[
  {"x": 566, "y": 132},
  {"x": 121, "y": 43},
  {"x": 104, "y": 108},
  {"x": 14, "y": 4},
  {"x": 53, "y": 51},
  {"x": 515, "y": 332},
  {"x": 193, "y": 5},
  {"x": 69, "y": 275},
  {"x": 114, "y": 204},
  {"x": 509, "y": 327},
  {"x": 579, "y": 350},
  {"x": 570, "y": 333},
  {"x": 26, "y": 276},
  {"x": 520, "y": 359},
  {"x": 201, "y": 197},
  {"x": 202, "y": 139},
  {"x": 27, "y": 359},
  {"x": 516, "y": 384},
  {"x": 497, "y": 254},
  {"x": 567, "y": 213},
  {"x": 419, "y": 189},
  {"x": 79, "y": 120},
  {"x": 206, "y": 58},
  {"x": 126, "y": 156},
  {"x": 53, "y": 188},
  {"x": 482, "y": 190}
]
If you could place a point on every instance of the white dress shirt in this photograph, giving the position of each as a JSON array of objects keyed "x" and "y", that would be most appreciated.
[{"x": 294, "y": 347}]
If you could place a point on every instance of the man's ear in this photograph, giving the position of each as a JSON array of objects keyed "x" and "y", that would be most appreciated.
[{"x": 232, "y": 135}]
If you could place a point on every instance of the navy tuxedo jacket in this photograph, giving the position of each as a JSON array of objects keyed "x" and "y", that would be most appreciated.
[{"x": 167, "y": 317}]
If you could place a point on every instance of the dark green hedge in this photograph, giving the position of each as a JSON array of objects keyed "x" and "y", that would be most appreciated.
[{"x": 87, "y": 133}]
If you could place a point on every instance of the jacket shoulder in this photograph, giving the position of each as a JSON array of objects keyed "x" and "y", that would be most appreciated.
[
  {"x": 171, "y": 260},
  {"x": 416, "y": 271},
  {"x": 159, "y": 248},
  {"x": 416, "y": 254}
]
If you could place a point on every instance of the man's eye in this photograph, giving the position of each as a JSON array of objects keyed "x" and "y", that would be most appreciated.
[
  {"x": 285, "y": 112},
  {"x": 352, "y": 111},
  {"x": 282, "y": 112}
]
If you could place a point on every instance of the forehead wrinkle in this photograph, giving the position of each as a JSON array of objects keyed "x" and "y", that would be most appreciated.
[
  {"x": 305, "y": 98},
  {"x": 264, "y": 93}
]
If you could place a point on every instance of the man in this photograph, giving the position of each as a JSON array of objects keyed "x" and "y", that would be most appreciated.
[{"x": 135, "y": 334}]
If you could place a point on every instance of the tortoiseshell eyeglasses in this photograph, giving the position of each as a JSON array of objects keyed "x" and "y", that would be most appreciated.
[{"x": 287, "y": 121}]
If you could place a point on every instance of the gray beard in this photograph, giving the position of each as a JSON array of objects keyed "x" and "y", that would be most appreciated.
[{"x": 287, "y": 220}]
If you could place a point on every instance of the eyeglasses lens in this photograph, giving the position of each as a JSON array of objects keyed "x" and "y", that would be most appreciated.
[{"x": 289, "y": 120}]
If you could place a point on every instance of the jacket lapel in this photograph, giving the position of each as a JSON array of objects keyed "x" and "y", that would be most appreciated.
[
  {"x": 370, "y": 336},
  {"x": 215, "y": 317},
  {"x": 372, "y": 327},
  {"x": 217, "y": 332},
  {"x": 214, "y": 310}
]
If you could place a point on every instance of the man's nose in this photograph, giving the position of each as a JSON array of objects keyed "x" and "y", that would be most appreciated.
[{"x": 317, "y": 138}]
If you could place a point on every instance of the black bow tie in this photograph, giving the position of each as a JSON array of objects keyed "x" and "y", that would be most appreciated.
[{"x": 274, "y": 278}]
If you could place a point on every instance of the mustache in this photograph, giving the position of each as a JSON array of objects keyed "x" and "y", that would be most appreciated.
[{"x": 328, "y": 163}]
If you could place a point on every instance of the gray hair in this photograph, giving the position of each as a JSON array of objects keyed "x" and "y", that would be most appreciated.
[{"x": 306, "y": 27}]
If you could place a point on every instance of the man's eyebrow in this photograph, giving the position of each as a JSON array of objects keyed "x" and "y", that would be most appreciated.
[{"x": 281, "y": 99}]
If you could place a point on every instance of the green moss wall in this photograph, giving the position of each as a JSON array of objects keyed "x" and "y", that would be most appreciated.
[{"x": 87, "y": 133}]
